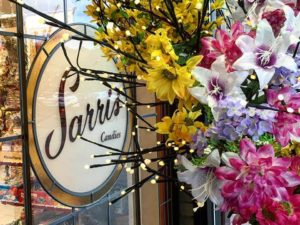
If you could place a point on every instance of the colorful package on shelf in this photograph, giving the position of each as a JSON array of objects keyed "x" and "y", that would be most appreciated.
[
  {"x": 11, "y": 175},
  {"x": 39, "y": 198}
]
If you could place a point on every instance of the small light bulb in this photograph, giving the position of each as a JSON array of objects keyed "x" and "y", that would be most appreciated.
[
  {"x": 41, "y": 21},
  {"x": 199, "y": 6},
  {"x": 200, "y": 204},
  {"x": 147, "y": 161},
  {"x": 290, "y": 110},
  {"x": 92, "y": 156},
  {"x": 127, "y": 32},
  {"x": 66, "y": 36},
  {"x": 153, "y": 181},
  {"x": 182, "y": 187},
  {"x": 280, "y": 97},
  {"x": 123, "y": 192},
  {"x": 161, "y": 163},
  {"x": 143, "y": 166},
  {"x": 192, "y": 150},
  {"x": 87, "y": 167},
  {"x": 108, "y": 161}
]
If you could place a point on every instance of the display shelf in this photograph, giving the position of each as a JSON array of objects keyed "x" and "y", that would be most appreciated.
[
  {"x": 10, "y": 164},
  {"x": 7, "y": 186},
  {"x": 11, "y": 158},
  {"x": 37, "y": 206},
  {"x": 10, "y": 214}
]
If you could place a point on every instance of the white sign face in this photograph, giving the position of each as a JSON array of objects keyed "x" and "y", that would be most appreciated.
[{"x": 68, "y": 108}]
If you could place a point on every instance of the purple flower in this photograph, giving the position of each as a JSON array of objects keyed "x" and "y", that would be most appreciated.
[
  {"x": 234, "y": 120},
  {"x": 199, "y": 142},
  {"x": 285, "y": 77}
]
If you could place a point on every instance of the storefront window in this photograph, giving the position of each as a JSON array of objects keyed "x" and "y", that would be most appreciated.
[
  {"x": 7, "y": 16},
  {"x": 11, "y": 179},
  {"x": 45, "y": 210},
  {"x": 76, "y": 11},
  {"x": 11, "y": 182},
  {"x": 34, "y": 25}
]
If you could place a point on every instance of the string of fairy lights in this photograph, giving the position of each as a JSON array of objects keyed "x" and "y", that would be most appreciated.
[
  {"x": 138, "y": 159},
  {"x": 129, "y": 160}
]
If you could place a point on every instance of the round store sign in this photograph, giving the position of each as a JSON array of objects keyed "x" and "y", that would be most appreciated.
[{"x": 69, "y": 115}]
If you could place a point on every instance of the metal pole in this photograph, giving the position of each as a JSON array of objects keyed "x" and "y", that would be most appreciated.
[
  {"x": 65, "y": 11},
  {"x": 23, "y": 95}
]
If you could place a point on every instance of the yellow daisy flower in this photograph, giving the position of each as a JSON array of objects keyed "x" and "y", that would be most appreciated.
[
  {"x": 171, "y": 81},
  {"x": 181, "y": 127}
]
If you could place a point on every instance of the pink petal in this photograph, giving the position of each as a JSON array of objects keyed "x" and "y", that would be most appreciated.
[
  {"x": 266, "y": 151},
  {"x": 291, "y": 179},
  {"x": 282, "y": 162},
  {"x": 246, "y": 147},
  {"x": 226, "y": 173},
  {"x": 236, "y": 163},
  {"x": 238, "y": 220},
  {"x": 237, "y": 29}
]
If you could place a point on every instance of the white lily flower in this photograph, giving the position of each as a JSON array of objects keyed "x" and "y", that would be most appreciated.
[
  {"x": 203, "y": 181},
  {"x": 256, "y": 8},
  {"x": 217, "y": 84},
  {"x": 263, "y": 54},
  {"x": 291, "y": 28}
]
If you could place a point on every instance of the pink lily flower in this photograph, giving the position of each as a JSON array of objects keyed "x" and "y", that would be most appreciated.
[
  {"x": 287, "y": 125},
  {"x": 222, "y": 49},
  {"x": 254, "y": 175},
  {"x": 272, "y": 213}
]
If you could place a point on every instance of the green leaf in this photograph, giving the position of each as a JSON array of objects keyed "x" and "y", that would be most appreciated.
[
  {"x": 231, "y": 146},
  {"x": 124, "y": 60},
  {"x": 119, "y": 12},
  {"x": 100, "y": 29},
  {"x": 198, "y": 161},
  {"x": 185, "y": 50},
  {"x": 208, "y": 116},
  {"x": 124, "y": 14}
]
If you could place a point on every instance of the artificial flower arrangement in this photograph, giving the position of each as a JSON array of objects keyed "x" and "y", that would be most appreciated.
[{"x": 232, "y": 70}]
